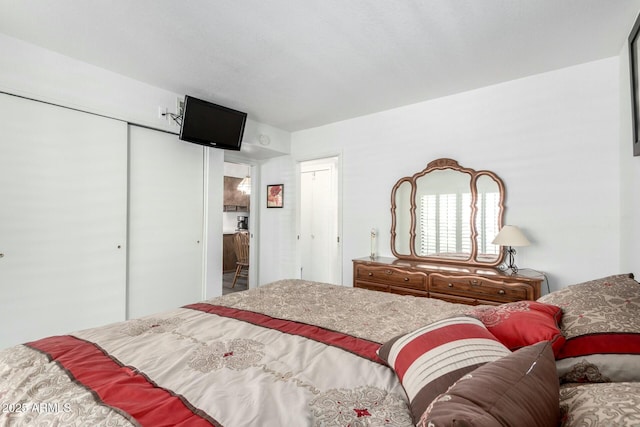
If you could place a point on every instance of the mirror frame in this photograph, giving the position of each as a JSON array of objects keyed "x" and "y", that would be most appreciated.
[{"x": 442, "y": 164}]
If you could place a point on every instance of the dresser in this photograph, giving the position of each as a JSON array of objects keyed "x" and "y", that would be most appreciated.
[{"x": 454, "y": 283}]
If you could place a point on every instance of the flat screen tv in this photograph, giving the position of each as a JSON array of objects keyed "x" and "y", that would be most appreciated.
[{"x": 212, "y": 125}]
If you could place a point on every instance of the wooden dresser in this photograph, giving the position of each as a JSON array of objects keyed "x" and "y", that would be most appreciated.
[{"x": 454, "y": 283}]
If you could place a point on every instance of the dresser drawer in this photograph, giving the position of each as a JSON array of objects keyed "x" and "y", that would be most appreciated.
[
  {"x": 458, "y": 284},
  {"x": 457, "y": 299},
  {"x": 408, "y": 291},
  {"x": 391, "y": 276},
  {"x": 371, "y": 286},
  {"x": 479, "y": 288}
]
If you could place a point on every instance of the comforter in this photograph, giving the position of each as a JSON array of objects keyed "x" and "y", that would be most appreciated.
[{"x": 292, "y": 353}]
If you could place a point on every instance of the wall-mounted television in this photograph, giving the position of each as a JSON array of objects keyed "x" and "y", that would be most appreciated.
[{"x": 212, "y": 125}]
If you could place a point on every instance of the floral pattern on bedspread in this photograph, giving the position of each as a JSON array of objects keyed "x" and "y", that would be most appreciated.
[
  {"x": 35, "y": 392},
  {"x": 359, "y": 407},
  {"x": 234, "y": 371},
  {"x": 237, "y": 354},
  {"x": 376, "y": 316},
  {"x": 154, "y": 325},
  {"x": 604, "y": 404}
]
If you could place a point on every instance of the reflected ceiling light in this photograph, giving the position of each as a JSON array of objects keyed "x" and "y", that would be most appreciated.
[{"x": 245, "y": 185}]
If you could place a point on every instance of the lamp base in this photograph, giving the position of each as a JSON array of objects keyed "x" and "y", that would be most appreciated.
[{"x": 510, "y": 252}]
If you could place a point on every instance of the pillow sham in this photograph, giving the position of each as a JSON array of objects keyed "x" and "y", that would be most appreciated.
[
  {"x": 430, "y": 359},
  {"x": 601, "y": 323},
  {"x": 604, "y": 404},
  {"x": 520, "y": 389},
  {"x": 522, "y": 323}
]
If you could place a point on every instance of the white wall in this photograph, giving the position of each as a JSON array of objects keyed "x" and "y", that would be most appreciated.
[
  {"x": 41, "y": 74},
  {"x": 278, "y": 225},
  {"x": 553, "y": 138},
  {"x": 629, "y": 176},
  {"x": 38, "y": 73}
]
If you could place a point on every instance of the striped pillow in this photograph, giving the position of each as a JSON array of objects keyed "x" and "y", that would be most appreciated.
[{"x": 430, "y": 359}]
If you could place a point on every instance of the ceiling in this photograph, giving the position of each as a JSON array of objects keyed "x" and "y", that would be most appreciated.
[{"x": 299, "y": 64}]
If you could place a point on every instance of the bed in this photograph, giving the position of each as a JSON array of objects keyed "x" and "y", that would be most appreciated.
[
  {"x": 299, "y": 353},
  {"x": 291, "y": 353}
]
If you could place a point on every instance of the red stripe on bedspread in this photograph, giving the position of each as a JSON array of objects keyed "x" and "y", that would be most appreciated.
[
  {"x": 119, "y": 386},
  {"x": 361, "y": 347},
  {"x": 603, "y": 343}
]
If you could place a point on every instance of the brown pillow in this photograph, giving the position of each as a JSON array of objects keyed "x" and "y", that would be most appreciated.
[{"x": 521, "y": 389}]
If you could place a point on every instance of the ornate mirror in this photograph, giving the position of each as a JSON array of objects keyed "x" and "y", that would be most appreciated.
[{"x": 448, "y": 213}]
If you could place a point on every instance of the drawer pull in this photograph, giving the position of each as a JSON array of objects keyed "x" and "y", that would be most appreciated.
[
  {"x": 501, "y": 292},
  {"x": 388, "y": 271},
  {"x": 475, "y": 283},
  {"x": 450, "y": 285},
  {"x": 406, "y": 279},
  {"x": 370, "y": 274}
]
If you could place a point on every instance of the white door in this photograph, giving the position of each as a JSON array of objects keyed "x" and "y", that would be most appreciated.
[
  {"x": 63, "y": 187},
  {"x": 319, "y": 243},
  {"x": 166, "y": 211}
]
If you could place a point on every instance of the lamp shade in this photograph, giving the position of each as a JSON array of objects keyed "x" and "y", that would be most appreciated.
[{"x": 510, "y": 235}]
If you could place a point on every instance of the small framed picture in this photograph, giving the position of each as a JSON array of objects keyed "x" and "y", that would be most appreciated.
[{"x": 275, "y": 195}]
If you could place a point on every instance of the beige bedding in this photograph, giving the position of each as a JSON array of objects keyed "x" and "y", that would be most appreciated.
[
  {"x": 291, "y": 353},
  {"x": 600, "y": 404}
]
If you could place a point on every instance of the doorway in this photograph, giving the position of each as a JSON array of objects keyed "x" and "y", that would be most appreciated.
[
  {"x": 236, "y": 220},
  {"x": 319, "y": 225}
]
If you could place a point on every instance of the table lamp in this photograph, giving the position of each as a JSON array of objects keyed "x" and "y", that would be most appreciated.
[{"x": 508, "y": 237}]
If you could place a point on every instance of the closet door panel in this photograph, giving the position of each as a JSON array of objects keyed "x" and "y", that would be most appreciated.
[
  {"x": 317, "y": 233},
  {"x": 63, "y": 183},
  {"x": 166, "y": 211}
]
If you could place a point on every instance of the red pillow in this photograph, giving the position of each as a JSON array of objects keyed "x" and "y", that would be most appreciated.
[{"x": 523, "y": 323}]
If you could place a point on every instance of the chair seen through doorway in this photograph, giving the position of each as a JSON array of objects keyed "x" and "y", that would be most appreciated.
[{"x": 241, "y": 246}]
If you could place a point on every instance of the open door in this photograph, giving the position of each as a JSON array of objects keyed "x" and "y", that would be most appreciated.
[
  {"x": 237, "y": 218},
  {"x": 319, "y": 237}
]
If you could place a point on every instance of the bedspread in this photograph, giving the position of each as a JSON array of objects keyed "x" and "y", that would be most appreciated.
[{"x": 292, "y": 353}]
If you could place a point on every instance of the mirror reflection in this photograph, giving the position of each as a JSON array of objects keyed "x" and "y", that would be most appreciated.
[
  {"x": 403, "y": 217},
  {"x": 443, "y": 210},
  {"x": 448, "y": 213},
  {"x": 488, "y": 211}
]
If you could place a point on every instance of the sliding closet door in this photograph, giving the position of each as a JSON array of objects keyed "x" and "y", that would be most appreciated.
[
  {"x": 62, "y": 220},
  {"x": 166, "y": 211}
]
